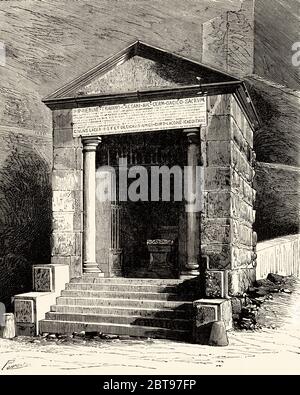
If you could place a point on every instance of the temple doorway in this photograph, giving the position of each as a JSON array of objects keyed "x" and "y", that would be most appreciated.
[{"x": 141, "y": 238}]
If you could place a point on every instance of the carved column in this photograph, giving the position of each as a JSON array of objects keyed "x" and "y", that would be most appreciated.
[
  {"x": 191, "y": 268},
  {"x": 89, "y": 205}
]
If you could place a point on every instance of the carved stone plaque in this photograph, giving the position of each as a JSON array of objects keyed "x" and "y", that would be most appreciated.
[
  {"x": 140, "y": 116},
  {"x": 42, "y": 279},
  {"x": 24, "y": 310}
]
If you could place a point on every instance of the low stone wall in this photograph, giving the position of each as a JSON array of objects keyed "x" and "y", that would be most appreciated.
[{"x": 280, "y": 255}]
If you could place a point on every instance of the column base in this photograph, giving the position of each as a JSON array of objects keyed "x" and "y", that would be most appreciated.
[
  {"x": 192, "y": 273},
  {"x": 91, "y": 269},
  {"x": 115, "y": 263},
  {"x": 187, "y": 276}
]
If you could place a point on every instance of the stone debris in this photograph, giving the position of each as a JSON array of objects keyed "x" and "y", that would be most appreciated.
[
  {"x": 91, "y": 335},
  {"x": 262, "y": 291},
  {"x": 109, "y": 337},
  {"x": 77, "y": 337},
  {"x": 285, "y": 290},
  {"x": 247, "y": 319},
  {"x": 264, "y": 283},
  {"x": 64, "y": 336},
  {"x": 275, "y": 278},
  {"x": 257, "y": 302},
  {"x": 82, "y": 338},
  {"x": 36, "y": 341},
  {"x": 51, "y": 336}
]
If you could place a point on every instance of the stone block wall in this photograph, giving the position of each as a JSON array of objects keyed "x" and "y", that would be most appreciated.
[
  {"x": 243, "y": 256},
  {"x": 244, "y": 43},
  {"x": 67, "y": 205},
  {"x": 226, "y": 229}
]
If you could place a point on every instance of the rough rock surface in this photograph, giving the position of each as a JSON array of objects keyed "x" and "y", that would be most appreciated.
[
  {"x": 263, "y": 302},
  {"x": 277, "y": 147}
]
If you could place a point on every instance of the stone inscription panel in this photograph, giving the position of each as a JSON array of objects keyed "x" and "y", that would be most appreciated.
[
  {"x": 42, "y": 279},
  {"x": 140, "y": 116},
  {"x": 24, "y": 310}
]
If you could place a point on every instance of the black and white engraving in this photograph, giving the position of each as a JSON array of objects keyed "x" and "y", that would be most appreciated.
[{"x": 149, "y": 187}]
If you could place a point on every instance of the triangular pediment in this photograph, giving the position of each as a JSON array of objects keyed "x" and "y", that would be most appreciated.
[
  {"x": 136, "y": 74},
  {"x": 140, "y": 67}
]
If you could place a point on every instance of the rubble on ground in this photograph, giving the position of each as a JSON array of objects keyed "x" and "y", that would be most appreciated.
[
  {"x": 246, "y": 309},
  {"x": 82, "y": 338}
]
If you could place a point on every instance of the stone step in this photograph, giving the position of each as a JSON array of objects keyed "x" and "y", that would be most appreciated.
[
  {"x": 67, "y": 327},
  {"x": 127, "y": 280},
  {"x": 125, "y": 295},
  {"x": 181, "y": 324},
  {"x": 176, "y": 313},
  {"x": 152, "y": 288},
  {"x": 120, "y": 302}
]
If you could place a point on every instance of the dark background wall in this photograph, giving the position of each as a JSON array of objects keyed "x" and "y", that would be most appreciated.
[
  {"x": 25, "y": 194},
  {"x": 277, "y": 144},
  {"x": 50, "y": 43},
  {"x": 276, "y": 29}
]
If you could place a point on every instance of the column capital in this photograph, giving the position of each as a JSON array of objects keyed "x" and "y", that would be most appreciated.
[
  {"x": 90, "y": 143},
  {"x": 193, "y": 135}
]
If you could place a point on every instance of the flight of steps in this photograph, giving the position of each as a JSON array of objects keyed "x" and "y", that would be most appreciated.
[{"x": 122, "y": 306}]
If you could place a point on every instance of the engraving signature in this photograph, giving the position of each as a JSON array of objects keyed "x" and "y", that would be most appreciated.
[{"x": 11, "y": 365}]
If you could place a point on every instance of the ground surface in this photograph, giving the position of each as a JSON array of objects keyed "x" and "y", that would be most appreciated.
[{"x": 273, "y": 349}]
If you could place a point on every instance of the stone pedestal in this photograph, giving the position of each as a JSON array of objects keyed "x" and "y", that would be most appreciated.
[
  {"x": 31, "y": 307},
  {"x": 207, "y": 311},
  {"x": 115, "y": 262},
  {"x": 160, "y": 262},
  {"x": 50, "y": 277}
]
